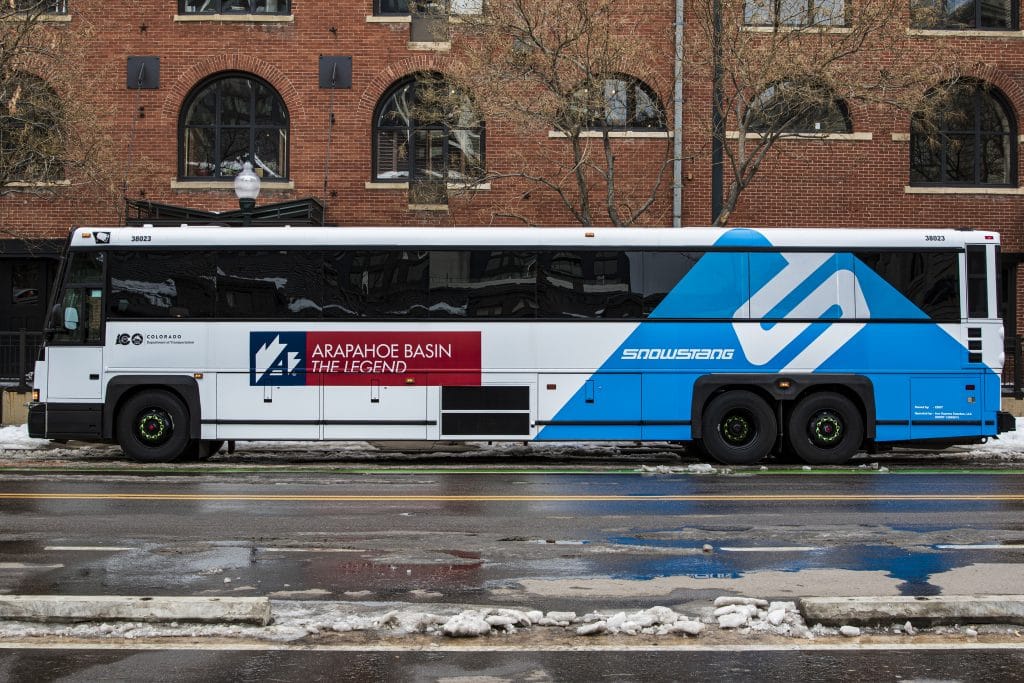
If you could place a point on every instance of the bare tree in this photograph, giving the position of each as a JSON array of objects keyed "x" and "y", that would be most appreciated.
[
  {"x": 53, "y": 130},
  {"x": 577, "y": 69},
  {"x": 780, "y": 69}
]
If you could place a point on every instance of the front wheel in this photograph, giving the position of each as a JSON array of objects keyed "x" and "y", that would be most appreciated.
[
  {"x": 739, "y": 428},
  {"x": 825, "y": 429},
  {"x": 152, "y": 426}
]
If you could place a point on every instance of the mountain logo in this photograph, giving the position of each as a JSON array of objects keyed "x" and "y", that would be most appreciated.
[{"x": 277, "y": 358}]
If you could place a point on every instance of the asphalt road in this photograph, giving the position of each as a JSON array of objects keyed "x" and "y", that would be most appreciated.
[
  {"x": 543, "y": 539},
  {"x": 480, "y": 666}
]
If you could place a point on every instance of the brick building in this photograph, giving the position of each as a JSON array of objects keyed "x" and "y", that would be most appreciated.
[{"x": 316, "y": 94}]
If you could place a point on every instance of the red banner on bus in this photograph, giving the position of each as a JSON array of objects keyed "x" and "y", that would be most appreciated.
[{"x": 394, "y": 358}]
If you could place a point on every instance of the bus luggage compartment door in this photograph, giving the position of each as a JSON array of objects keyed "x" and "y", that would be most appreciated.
[
  {"x": 604, "y": 406},
  {"x": 376, "y": 410},
  {"x": 945, "y": 406},
  {"x": 266, "y": 412}
]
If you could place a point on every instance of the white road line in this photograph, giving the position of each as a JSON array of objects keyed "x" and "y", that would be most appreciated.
[
  {"x": 25, "y": 565},
  {"x": 986, "y": 546},
  {"x": 773, "y": 549},
  {"x": 87, "y": 548}
]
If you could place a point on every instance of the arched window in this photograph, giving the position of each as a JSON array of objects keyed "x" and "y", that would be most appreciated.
[
  {"x": 229, "y": 119},
  {"x": 32, "y": 130},
  {"x": 972, "y": 141},
  {"x": 794, "y": 107},
  {"x": 616, "y": 101},
  {"x": 424, "y": 128}
]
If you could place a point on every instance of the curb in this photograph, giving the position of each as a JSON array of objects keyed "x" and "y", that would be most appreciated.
[
  {"x": 75, "y": 608},
  {"x": 922, "y": 611}
]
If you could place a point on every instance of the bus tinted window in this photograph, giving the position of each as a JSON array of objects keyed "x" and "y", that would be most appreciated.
[
  {"x": 977, "y": 283},
  {"x": 929, "y": 280},
  {"x": 377, "y": 284},
  {"x": 590, "y": 284},
  {"x": 483, "y": 284},
  {"x": 269, "y": 284},
  {"x": 86, "y": 268},
  {"x": 662, "y": 272},
  {"x": 161, "y": 285}
]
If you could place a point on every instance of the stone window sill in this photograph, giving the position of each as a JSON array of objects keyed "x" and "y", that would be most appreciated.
[
  {"x": 238, "y": 18},
  {"x": 31, "y": 184},
  {"x": 797, "y": 29},
  {"x": 636, "y": 134},
  {"x": 958, "y": 33},
  {"x": 849, "y": 137},
  {"x": 428, "y": 207},
  {"x": 430, "y": 47},
  {"x": 405, "y": 186},
  {"x": 265, "y": 186},
  {"x": 936, "y": 189},
  {"x": 389, "y": 19}
]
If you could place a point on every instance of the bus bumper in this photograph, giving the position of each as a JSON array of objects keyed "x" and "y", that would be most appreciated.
[
  {"x": 1005, "y": 422},
  {"x": 37, "y": 420}
]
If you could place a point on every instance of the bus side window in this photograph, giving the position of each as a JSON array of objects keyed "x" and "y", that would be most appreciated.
[{"x": 977, "y": 282}]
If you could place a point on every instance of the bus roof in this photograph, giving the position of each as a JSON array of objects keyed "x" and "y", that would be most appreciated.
[{"x": 611, "y": 238}]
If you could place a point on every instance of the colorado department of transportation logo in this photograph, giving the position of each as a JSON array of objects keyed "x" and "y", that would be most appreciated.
[
  {"x": 277, "y": 358},
  {"x": 124, "y": 339}
]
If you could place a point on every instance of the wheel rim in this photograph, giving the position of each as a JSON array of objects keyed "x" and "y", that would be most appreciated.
[
  {"x": 737, "y": 428},
  {"x": 826, "y": 429},
  {"x": 153, "y": 427}
]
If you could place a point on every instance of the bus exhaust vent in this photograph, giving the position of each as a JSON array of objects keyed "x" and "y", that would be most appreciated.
[
  {"x": 485, "y": 411},
  {"x": 974, "y": 345}
]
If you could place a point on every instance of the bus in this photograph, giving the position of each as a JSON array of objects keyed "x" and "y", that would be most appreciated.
[{"x": 748, "y": 344}]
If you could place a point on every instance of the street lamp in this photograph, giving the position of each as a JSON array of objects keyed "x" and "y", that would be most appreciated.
[{"x": 247, "y": 188}]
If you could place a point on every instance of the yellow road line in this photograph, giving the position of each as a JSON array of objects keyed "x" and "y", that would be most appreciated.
[{"x": 514, "y": 499}]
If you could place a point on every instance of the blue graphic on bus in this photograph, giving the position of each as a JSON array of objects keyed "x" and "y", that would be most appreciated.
[
  {"x": 643, "y": 390},
  {"x": 277, "y": 358}
]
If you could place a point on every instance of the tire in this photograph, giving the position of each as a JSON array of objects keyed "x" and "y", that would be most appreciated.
[
  {"x": 152, "y": 426},
  {"x": 825, "y": 429},
  {"x": 739, "y": 428}
]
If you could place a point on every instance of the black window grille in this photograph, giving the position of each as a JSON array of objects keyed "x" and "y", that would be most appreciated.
[
  {"x": 985, "y": 15},
  {"x": 973, "y": 141},
  {"x": 278, "y": 7},
  {"x": 229, "y": 119},
  {"x": 425, "y": 130}
]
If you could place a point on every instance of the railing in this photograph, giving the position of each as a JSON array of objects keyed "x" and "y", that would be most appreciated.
[
  {"x": 1013, "y": 371},
  {"x": 17, "y": 356}
]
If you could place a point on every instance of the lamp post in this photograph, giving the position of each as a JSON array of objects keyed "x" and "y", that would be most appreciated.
[{"x": 247, "y": 188}]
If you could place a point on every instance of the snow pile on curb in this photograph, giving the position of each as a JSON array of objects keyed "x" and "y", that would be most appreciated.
[
  {"x": 756, "y": 614},
  {"x": 657, "y": 621}
]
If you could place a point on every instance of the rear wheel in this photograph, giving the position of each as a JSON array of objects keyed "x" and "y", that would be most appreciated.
[
  {"x": 739, "y": 428},
  {"x": 152, "y": 426},
  {"x": 825, "y": 429}
]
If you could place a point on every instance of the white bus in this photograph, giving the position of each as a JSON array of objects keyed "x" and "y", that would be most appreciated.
[{"x": 813, "y": 344}]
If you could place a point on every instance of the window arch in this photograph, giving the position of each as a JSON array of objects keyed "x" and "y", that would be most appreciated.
[
  {"x": 32, "y": 130},
  {"x": 972, "y": 141},
  {"x": 229, "y": 119},
  {"x": 794, "y": 107},
  {"x": 616, "y": 101},
  {"x": 425, "y": 128}
]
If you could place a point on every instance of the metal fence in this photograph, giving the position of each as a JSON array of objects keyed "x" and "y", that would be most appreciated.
[{"x": 17, "y": 356}]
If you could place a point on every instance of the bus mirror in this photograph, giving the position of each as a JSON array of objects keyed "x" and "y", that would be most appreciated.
[{"x": 70, "y": 318}]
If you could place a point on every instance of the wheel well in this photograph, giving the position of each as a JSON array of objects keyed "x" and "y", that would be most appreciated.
[
  {"x": 121, "y": 389},
  {"x": 782, "y": 393}
]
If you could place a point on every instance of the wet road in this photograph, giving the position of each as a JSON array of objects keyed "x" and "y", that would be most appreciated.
[
  {"x": 540, "y": 538},
  {"x": 539, "y": 666}
]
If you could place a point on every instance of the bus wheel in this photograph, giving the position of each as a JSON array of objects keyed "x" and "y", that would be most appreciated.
[
  {"x": 825, "y": 429},
  {"x": 152, "y": 426},
  {"x": 739, "y": 428}
]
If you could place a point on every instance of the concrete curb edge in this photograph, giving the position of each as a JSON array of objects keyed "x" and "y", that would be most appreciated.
[
  {"x": 919, "y": 610},
  {"x": 79, "y": 608}
]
